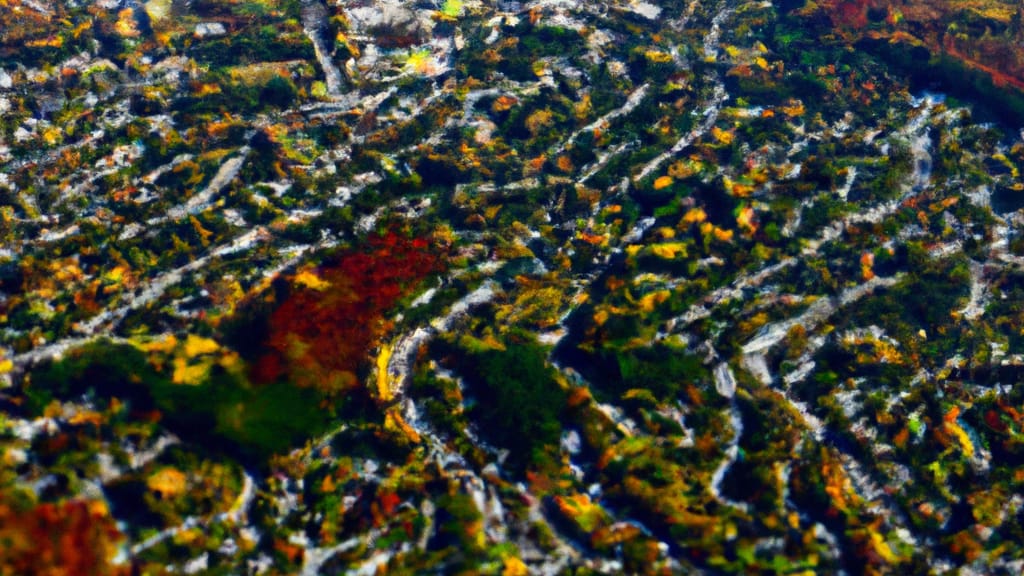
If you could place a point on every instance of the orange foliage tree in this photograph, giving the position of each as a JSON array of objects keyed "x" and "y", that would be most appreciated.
[{"x": 70, "y": 538}]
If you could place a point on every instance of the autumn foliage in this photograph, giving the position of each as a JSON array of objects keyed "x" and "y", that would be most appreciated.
[
  {"x": 71, "y": 538},
  {"x": 322, "y": 332}
]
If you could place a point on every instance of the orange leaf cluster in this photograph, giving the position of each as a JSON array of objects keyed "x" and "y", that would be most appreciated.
[{"x": 66, "y": 539}]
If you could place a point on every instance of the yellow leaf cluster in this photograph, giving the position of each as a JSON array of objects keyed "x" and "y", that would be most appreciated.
[
  {"x": 86, "y": 417},
  {"x": 186, "y": 373},
  {"x": 582, "y": 108},
  {"x": 514, "y": 567},
  {"x": 755, "y": 322},
  {"x": 197, "y": 346},
  {"x": 882, "y": 548},
  {"x": 737, "y": 189},
  {"x": 707, "y": 229},
  {"x": 683, "y": 168},
  {"x": 169, "y": 482},
  {"x": 693, "y": 216},
  {"x": 721, "y": 136},
  {"x": 962, "y": 437},
  {"x": 383, "y": 379},
  {"x": 125, "y": 25},
  {"x": 49, "y": 42},
  {"x": 745, "y": 219},
  {"x": 182, "y": 356},
  {"x": 795, "y": 108},
  {"x": 352, "y": 47},
  {"x": 51, "y": 136},
  {"x": 838, "y": 487},
  {"x": 451, "y": 8},
  {"x": 257, "y": 74},
  {"x": 879, "y": 351},
  {"x": 665, "y": 233},
  {"x": 421, "y": 62},
  {"x": 538, "y": 121},
  {"x": 539, "y": 306},
  {"x": 207, "y": 89},
  {"x": 308, "y": 279},
  {"x": 1002, "y": 159},
  {"x": 669, "y": 250},
  {"x": 65, "y": 270},
  {"x": 164, "y": 345},
  {"x": 657, "y": 56},
  {"x": 203, "y": 233},
  {"x": 503, "y": 103},
  {"x": 649, "y": 301},
  {"x": 394, "y": 423}
]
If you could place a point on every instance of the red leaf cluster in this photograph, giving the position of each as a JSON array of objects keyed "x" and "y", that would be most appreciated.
[
  {"x": 852, "y": 14},
  {"x": 318, "y": 338}
]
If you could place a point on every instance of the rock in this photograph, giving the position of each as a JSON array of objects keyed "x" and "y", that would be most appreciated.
[
  {"x": 210, "y": 29},
  {"x": 158, "y": 10},
  {"x": 645, "y": 9},
  {"x": 392, "y": 24},
  {"x": 725, "y": 381}
]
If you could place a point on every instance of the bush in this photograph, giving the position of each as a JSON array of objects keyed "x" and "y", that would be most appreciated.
[{"x": 278, "y": 92}]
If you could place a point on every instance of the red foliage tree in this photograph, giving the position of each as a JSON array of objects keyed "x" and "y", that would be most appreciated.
[{"x": 319, "y": 336}]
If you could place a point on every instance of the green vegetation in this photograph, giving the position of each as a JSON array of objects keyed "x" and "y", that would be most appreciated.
[
  {"x": 648, "y": 287},
  {"x": 224, "y": 412},
  {"x": 517, "y": 401}
]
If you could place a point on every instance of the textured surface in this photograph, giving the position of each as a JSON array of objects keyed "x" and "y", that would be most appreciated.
[{"x": 541, "y": 287}]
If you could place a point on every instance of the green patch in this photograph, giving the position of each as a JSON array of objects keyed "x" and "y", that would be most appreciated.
[
  {"x": 224, "y": 412},
  {"x": 517, "y": 400},
  {"x": 451, "y": 8}
]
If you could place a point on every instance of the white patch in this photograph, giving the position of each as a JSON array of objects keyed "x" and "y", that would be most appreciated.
[
  {"x": 646, "y": 9},
  {"x": 210, "y": 29}
]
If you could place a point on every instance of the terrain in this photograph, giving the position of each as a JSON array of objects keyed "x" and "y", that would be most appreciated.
[{"x": 306, "y": 287}]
